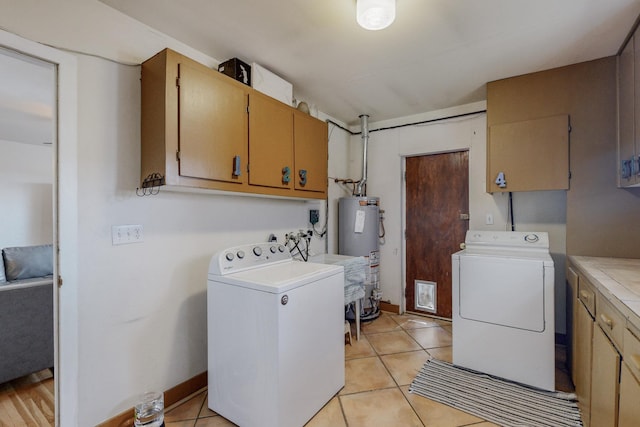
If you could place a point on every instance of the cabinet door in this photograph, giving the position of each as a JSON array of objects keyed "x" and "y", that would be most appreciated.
[
  {"x": 310, "y": 151},
  {"x": 629, "y": 411},
  {"x": 604, "y": 380},
  {"x": 572, "y": 301},
  {"x": 212, "y": 126},
  {"x": 582, "y": 359},
  {"x": 626, "y": 120},
  {"x": 531, "y": 155},
  {"x": 270, "y": 142}
]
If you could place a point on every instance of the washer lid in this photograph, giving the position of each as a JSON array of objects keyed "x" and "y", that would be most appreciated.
[{"x": 280, "y": 277}]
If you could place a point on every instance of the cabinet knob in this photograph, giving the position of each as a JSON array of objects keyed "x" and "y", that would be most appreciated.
[
  {"x": 608, "y": 322},
  {"x": 303, "y": 176},
  {"x": 635, "y": 361}
]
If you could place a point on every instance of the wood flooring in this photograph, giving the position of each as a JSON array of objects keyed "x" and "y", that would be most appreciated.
[{"x": 28, "y": 401}]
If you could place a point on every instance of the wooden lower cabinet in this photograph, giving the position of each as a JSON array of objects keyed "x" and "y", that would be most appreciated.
[
  {"x": 572, "y": 298},
  {"x": 582, "y": 359},
  {"x": 629, "y": 409},
  {"x": 604, "y": 379}
]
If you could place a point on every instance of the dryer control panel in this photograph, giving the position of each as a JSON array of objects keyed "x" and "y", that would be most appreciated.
[
  {"x": 516, "y": 240},
  {"x": 244, "y": 257}
]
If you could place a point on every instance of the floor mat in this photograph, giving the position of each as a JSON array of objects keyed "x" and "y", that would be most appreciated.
[{"x": 494, "y": 399}]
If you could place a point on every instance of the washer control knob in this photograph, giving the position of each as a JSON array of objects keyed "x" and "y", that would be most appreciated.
[
  {"x": 240, "y": 254},
  {"x": 229, "y": 256},
  {"x": 273, "y": 249},
  {"x": 281, "y": 248},
  {"x": 257, "y": 251}
]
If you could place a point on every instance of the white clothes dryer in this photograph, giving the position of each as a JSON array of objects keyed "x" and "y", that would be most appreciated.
[
  {"x": 503, "y": 306},
  {"x": 275, "y": 330}
]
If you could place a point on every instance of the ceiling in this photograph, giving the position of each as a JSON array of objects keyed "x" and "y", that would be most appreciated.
[{"x": 437, "y": 54}]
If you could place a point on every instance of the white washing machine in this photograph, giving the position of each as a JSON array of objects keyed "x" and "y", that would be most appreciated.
[
  {"x": 275, "y": 329},
  {"x": 503, "y": 306}
]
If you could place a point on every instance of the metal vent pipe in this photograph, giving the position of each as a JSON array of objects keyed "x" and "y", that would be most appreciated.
[{"x": 364, "y": 126}]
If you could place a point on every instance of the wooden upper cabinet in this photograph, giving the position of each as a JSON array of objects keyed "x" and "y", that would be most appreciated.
[
  {"x": 311, "y": 152},
  {"x": 626, "y": 116},
  {"x": 529, "y": 155},
  {"x": 202, "y": 129},
  {"x": 270, "y": 142},
  {"x": 213, "y": 126}
]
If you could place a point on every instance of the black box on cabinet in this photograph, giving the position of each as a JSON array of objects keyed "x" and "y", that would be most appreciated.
[{"x": 237, "y": 69}]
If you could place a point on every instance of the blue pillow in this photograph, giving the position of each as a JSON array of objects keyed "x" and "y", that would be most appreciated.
[{"x": 26, "y": 262}]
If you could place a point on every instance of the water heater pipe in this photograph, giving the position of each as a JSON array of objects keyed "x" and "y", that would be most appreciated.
[{"x": 364, "y": 126}]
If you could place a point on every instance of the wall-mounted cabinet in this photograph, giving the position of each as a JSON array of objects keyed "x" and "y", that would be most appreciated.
[
  {"x": 528, "y": 155},
  {"x": 310, "y": 153},
  {"x": 629, "y": 113},
  {"x": 627, "y": 158},
  {"x": 204, "y": 130},
  {"x": 270, "y": 143},
  {"x": 212, "y": 126}
]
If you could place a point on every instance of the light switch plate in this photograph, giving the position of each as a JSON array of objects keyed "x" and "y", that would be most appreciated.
[{"x": 489, "y": 220}]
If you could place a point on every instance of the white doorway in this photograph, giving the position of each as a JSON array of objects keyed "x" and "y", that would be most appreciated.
[{"x": 63, "y": 217}]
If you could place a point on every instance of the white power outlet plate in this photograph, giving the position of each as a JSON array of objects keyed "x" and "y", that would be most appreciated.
[{"x": 125, "y": 234}]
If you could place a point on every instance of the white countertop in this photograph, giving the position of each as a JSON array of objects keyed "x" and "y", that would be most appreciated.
[{"x": 618, "y": 280}]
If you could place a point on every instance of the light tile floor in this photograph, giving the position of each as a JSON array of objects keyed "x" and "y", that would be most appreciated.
[{"x": 378, "y": 371}]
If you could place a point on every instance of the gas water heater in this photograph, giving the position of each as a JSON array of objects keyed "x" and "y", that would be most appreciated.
[{"x": 358, "y": 235}]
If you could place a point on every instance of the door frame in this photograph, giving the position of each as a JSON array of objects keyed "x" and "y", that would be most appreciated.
[
  {"x": 65, "y": 222},
  {"x": 403, "y": 305}
]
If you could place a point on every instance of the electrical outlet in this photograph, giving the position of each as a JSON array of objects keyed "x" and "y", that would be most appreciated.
[
  {"x": 314, "y": 216},
  {"x": 125, "y": 234}
]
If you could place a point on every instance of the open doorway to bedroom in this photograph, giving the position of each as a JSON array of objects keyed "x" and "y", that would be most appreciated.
[{"x": 28, "y": 119}]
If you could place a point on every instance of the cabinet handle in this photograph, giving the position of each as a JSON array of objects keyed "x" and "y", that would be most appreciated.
[
  {"x": 303, "y": 177},
  {"x": 606, "y": 321},
  {"x": 236, "y": 166},
  {"x": 585, "y": 295},
  {"x": 626, "y": 167}
]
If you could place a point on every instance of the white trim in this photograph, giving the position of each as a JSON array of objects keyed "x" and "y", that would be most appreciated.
[{"x": 65, "y": 214}]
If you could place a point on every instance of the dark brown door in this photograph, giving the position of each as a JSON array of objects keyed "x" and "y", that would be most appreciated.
[{"x": 437, "y": 210}]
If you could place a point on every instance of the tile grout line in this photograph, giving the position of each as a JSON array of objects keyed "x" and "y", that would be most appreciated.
[{"x": 397, "y": 387}]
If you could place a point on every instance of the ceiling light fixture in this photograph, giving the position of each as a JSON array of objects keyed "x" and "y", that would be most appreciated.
[{"x": 375, "y": 14}]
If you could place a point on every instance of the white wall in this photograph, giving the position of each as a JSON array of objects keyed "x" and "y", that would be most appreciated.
[
  {"x": 341, "y": 166},
  {"x": 534, "y": 211},
  {"x": 141, "y": 308},
  {"x": 26, "y": 176}
]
